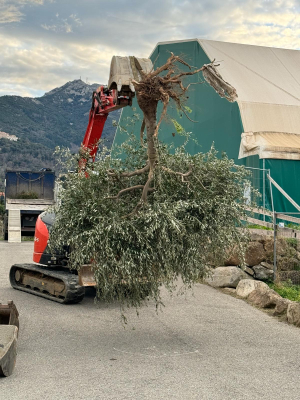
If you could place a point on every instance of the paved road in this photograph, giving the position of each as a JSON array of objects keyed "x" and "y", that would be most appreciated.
[{"x": 206, "y": 346}]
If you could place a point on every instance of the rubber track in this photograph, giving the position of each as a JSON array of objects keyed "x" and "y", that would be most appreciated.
[{"x": 74, "y": 293}]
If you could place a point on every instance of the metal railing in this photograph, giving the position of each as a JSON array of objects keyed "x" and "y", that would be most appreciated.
[{"x": 268, "y": 217}]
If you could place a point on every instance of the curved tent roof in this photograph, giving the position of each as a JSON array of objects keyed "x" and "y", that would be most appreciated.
[{"x": 267, "y": 81}]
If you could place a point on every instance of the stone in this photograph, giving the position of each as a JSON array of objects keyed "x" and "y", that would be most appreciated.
[
  {"x": 249, "y": 271},
  {"x": 226, "y": 277},
  {"x": 287, "y": 263},
  {"x": 264, "y": 297},
  {"x": 257, "y": 237},
  {"x": 281, "y": 307},
  {"x": 255, "y": 253},
  {"x": 292, "y": 276},
  {"x": 282, "y": 247},
  {"x": 246, "y": 286},
  {"x": 293, "y": 313},
  {"x": 262, "y": 273},
  {"x": 229, "y": 290},
  {"x": 233, "y": 259},
  {"x": 267, "y": 265}
]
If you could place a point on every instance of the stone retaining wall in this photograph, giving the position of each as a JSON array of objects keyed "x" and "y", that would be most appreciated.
[{"x": 259, "y": 258}]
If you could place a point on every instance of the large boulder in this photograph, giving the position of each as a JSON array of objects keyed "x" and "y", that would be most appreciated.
[
  {"x": 264, "y": 297},
  {"x": 281, "y": 307},
  {"x": 255, "y": 253},
  {"x": 246, "y": 286},
  {"x": 226, "y": 277},
  {"x": 282, "y": 247},
  {"x": 233, "y": 258},
  {"x": 293, "y": 313},
  {"x": 262, "y": 273}
]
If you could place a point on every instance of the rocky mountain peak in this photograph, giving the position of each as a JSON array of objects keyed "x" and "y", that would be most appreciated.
[{"x": 73, "y": 88}]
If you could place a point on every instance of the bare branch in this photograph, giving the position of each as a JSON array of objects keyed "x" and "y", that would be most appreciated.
[
  {"x": 142, "y": 132},
  {"x": 194, "y": 83},
  {"x": 164, "y": 111},
  {"x": 189, "y": 73},
  {"x": 184, "y": 112},
  {"x": 197, "y": 179},
  {"x": 183, "y": 175},
  {"x": 129, "y": 174},
  {"x": 123, "y": 191},
  {"x": 147, "y": 187}
]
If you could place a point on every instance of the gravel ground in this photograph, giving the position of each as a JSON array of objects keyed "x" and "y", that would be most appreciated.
[{"x": 205, "y": 345}]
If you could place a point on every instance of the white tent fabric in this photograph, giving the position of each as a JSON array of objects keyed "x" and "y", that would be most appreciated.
[
  {"x": 270, "y": 145},
  {"x": 267, "y": 81}
]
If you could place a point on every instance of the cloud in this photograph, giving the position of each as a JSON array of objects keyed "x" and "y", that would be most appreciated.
[
  {"x": 9, "y": 13},
  {"x": 76, "y": 20},
  {"x": 10, "y": 10},
  {"x": 63, "y": 24},
  {"x": 46, "y": 43}
]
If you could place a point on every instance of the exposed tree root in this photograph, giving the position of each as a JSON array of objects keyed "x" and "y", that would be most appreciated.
[{"x": 152, "y": 89}]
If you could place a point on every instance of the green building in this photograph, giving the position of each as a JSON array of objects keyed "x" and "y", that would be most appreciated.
[{"x": 260, "y": 130}]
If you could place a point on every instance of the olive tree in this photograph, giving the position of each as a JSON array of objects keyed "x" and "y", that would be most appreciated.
[{"x": 157, "y": 214}]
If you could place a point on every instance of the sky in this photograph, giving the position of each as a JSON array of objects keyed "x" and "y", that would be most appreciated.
[{"x": 46, "y": 43}]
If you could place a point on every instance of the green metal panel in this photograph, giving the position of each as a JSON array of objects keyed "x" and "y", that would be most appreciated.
[
  {"x": 218, "y": 120},
  {"x": 287, "y": 174}
]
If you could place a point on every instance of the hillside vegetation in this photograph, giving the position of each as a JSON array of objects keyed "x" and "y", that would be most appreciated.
[{"x": 59, "y": 118}]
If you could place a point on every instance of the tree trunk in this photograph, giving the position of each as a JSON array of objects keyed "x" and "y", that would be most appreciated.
[{"x": 149, "y": 110}]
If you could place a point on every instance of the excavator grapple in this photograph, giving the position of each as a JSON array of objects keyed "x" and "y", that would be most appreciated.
[
  {"x": 123, "y": 70},
  {"x": 9, "y": 323}
]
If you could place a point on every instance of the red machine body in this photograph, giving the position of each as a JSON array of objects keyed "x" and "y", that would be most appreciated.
[{"x": 40, "y": 239}]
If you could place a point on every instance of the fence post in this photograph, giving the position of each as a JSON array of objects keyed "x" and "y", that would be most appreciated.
[
  {"x": 264, "y": 187},
  {"x": 274, "y": 249}
]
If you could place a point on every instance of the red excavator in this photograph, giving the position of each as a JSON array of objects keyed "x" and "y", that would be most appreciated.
[{"x": 50, "y": 276}]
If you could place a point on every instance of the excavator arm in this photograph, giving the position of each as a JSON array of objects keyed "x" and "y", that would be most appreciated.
[
  {"x": 104, "y": 101},
  {"x": 118, "y": 94}
]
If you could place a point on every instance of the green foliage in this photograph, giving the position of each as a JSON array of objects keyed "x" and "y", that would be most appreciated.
[
  {"x": 188, "y": 109},
  {"x": 293, "y": 226},
  {"x": 181, "y": 228},
  {"x": 2, "y": 210},
  {"x": 287, "y": 290},
  {"x": 293, "y": 242},
  {"x": 27, "y": 195},
  {"x": 45, "y": 122},
  {"x": 178, "y": 127},
  {"x": 255, "y": 226}
]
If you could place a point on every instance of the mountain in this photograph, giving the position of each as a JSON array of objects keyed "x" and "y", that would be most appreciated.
[{"x": 30, "y": 128}]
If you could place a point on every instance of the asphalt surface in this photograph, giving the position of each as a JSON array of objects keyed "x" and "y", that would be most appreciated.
[{"x": 205, "y": 345}]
